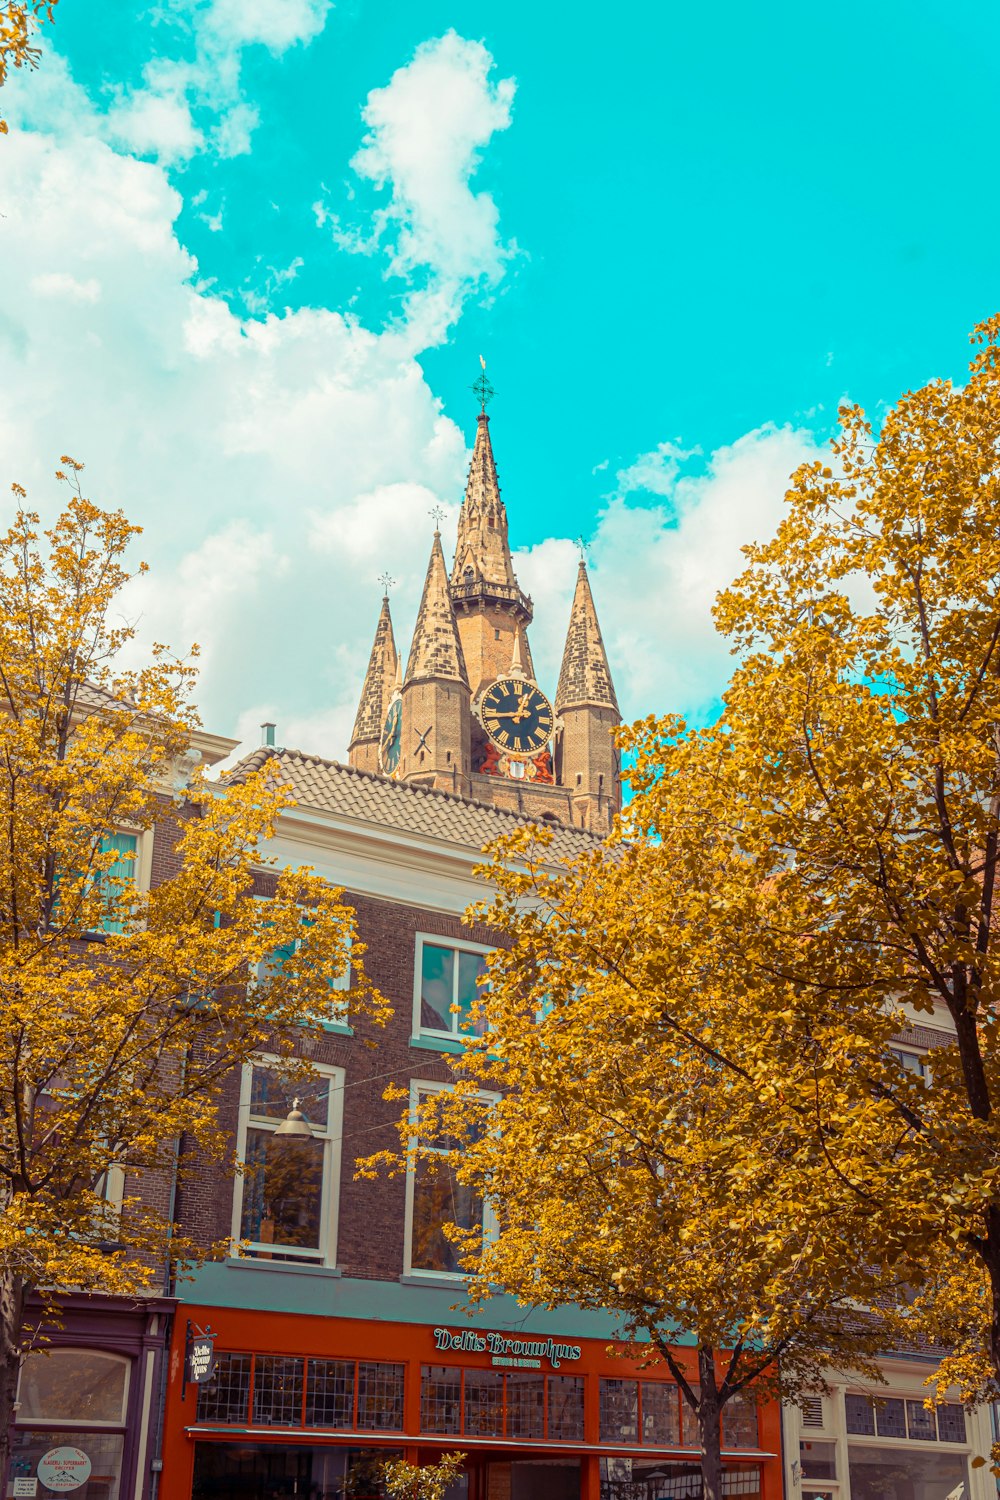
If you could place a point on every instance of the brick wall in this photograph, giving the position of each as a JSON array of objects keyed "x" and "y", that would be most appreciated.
[{"x": 370, "y": 1232}]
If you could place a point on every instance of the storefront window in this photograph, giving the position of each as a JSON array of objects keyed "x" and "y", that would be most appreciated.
[
  {"x": 264, "y": 1471},
  {"x": 661, "y": 1418},
  {"x": 440, "y": 1398},
  {"x": 226, "y": 1397},
  {"x": 277, "y": 1391},
  {"x": 818, "y": 1460},
  {"x": 330, "y": 1393},
  {"x": 74, "y": 1385},
  {"x": 671, "y": 1479},
  {"x": 67, "y": 1397},
  {"x": 566, "y": 1408},
  {"x": 483, "y": 1403},
  {"x": 88, "y": 1463},
  {"x": 380, "y": 1396},
  {"x": 926, "y": 1475},
  {"x": 739, "y": 1422},
  {"x": 619, "y": 1411},
  {"x": 341, "y": 1394},
  {"x": 525, "y": 1406}
]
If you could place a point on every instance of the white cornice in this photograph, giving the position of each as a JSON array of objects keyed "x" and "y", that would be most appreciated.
[{"x": 375, "y": 860}]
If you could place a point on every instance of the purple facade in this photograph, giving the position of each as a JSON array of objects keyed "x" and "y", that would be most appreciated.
[{"x": 88, "y": 1418}]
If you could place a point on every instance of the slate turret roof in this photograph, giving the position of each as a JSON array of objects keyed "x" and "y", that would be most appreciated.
[
  {"x": 436, "y": 651},
  {"x": 585, "y": 677},
  {"x": 380, "y": 680}
]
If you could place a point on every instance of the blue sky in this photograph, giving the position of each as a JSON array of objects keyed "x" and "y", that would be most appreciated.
[{"x": 255, "y": 247}]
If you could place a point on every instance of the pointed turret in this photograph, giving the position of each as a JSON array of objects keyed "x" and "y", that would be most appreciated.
[
  {"x": 436, "y": 732},
  {"x": 436, "y": 651},
  {"x": 585, "y": 677},
  {"x": 587, "y": 759},
  {"x": 490, "y": 606},
  {"x": 379, "y": 685},
  {"x": 482, "y": 552}
]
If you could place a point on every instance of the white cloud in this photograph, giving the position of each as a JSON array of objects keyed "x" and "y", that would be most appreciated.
[
  {"x": 280, "y": 463},
  {"x": 657, "y": 564},
  {"x": 235, "y": 444},
  {"x": 427, "y": 130},
  {"x": 188, "y": 102},
  {"x": 61, "y": 284}
]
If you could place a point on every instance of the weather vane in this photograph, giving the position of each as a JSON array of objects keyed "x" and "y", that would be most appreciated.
[
  {"x": 438, "y": 514},
  {"x": 583, "y": 547},
  {"x": 387, "y": 582},
  {"x": 482, "y": 389}
]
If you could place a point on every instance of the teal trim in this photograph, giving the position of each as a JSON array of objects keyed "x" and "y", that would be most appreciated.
[
  {"x": 320, "y": 1291},
  {"x": 339, "y": 1028},
  {"x": 438, "y": 1043},
  {"x": 273, "y": 1268}
]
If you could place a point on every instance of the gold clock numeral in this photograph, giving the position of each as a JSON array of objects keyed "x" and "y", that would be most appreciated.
[{"x": 504, "y": 738}]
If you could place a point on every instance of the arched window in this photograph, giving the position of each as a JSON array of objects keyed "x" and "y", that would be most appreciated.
[{"x": 74, "y": 1385}]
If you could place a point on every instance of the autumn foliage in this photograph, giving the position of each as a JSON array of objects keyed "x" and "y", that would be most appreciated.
[{"x": 125, "y": 1007}]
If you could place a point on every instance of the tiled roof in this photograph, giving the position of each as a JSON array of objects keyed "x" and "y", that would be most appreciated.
[{"x": 331, "y": 787}]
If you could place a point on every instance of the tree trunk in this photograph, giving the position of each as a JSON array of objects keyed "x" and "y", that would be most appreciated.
[
  {"x": 708, "y": 1427},
  {"x": 13, "y": 1296}
]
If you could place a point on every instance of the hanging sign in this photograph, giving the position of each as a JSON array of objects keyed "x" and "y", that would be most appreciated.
[
  {"x": 518, "y": 1352},
  {"x": 200, "y": 1358},
  {"x": 63, "y": 1469}
]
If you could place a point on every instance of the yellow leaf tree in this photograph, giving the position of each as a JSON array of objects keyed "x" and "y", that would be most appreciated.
[
  {"x": 124, "y": 1009},
  {"x": 18, "y": 19},
  {"x": 614, "y": 1118},
  {"x": 864, "y": 721},
  {"x": 702, "y": 1123}
]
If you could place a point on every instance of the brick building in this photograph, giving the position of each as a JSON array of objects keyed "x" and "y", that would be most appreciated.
[{"x": 339, "y": 1330}]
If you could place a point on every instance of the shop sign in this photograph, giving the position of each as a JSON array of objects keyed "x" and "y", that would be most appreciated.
[
  {"x": 63, "y": 1469},
  {"x": 200, "y": 1358},
  {"x": 25, "y": 1487},
  {"x": 504, "y": 1350}
]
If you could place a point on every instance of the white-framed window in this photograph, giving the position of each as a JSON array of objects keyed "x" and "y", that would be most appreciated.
[
  {"x": 446, "y": 975},
  {"x": 285, "y": 1198},
  {"x": 434, "y": 1198},
  {"x": 274, "y": 962},
  {"x": 133, "y": 851},
  {"x": 912, "y": 1062}
]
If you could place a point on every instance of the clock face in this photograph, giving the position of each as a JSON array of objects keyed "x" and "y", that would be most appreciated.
[
  {"x": 392, "y": 738},
  {"x": 516, "y": 715}
]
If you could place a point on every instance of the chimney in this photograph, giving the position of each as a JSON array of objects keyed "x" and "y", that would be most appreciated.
[{"x": 267, "y": 734}]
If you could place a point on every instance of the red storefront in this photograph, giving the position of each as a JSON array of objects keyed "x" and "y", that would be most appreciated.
[{"x": 302, "y": 1406}]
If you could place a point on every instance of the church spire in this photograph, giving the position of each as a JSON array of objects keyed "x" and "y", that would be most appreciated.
[
  {"x": 379, "y": 684},
  {"x": 436, "y": 650},
  {"x": 482, "y": 552},
  {"x": 585, "y": 677}
]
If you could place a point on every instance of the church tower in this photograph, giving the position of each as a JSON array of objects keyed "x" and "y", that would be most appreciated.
[
  {"x": 435, "y": 726},
  {"x": 587, "y": 758},
  {"x": 468, "y": 716},
  {"x": 490, "y": 607}
]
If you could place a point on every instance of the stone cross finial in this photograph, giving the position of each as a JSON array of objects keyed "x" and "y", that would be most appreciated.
[
  {"x": 437, "y": 513},
  {"x": 387, "y": 583},
  {"x": 583, "y": 547}
]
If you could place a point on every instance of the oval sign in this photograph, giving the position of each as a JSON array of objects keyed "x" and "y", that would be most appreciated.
[{"x": 63, "y": 1469}]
